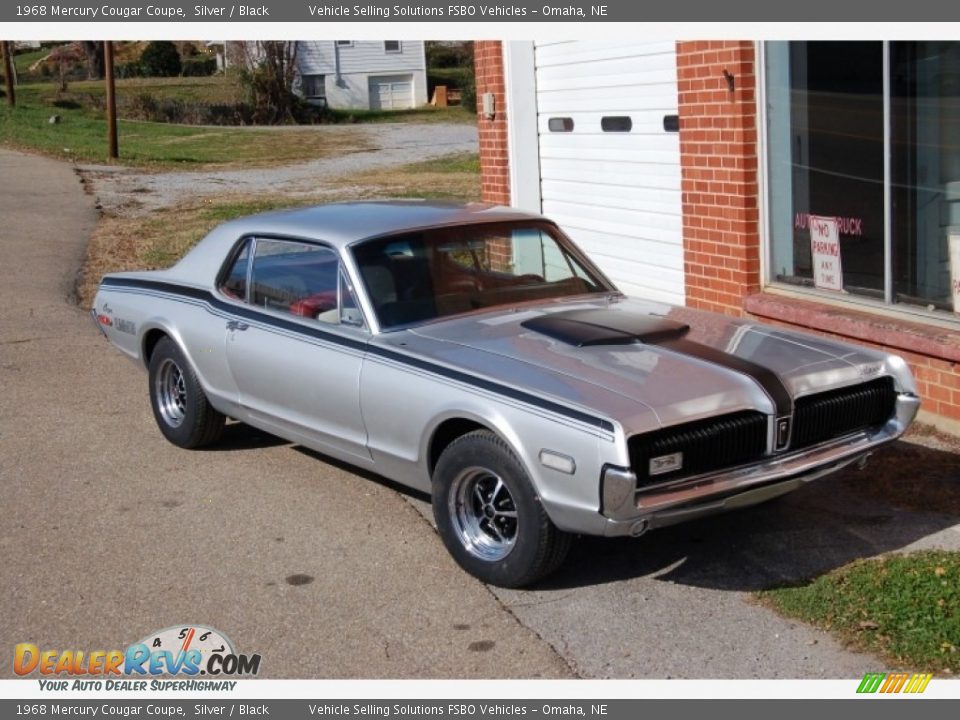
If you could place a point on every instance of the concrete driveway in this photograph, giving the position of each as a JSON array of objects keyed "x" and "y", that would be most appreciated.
[{"x": 109, "y": 533}]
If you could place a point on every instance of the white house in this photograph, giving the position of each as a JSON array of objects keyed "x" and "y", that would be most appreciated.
[{"x": 363, "y": 74}]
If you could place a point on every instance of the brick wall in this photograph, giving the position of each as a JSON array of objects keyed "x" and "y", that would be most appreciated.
[
  {"x": 718, "y": 156},
  {"x": 721, "y": 225},
  {"x": 494, "y": 162}
]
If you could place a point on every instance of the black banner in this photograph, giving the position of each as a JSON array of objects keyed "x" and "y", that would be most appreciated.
[
  {"x": 325, "y": 11},
  {"x": 476, "y": 709}
]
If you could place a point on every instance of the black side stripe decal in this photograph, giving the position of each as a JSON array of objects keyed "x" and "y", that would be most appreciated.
[{"x": 250, "y": 313}]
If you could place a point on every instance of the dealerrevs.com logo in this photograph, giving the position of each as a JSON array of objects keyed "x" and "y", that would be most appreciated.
[{"x": 186, "y": 651}]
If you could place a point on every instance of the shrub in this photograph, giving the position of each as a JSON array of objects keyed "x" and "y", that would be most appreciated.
[
  {"x": 129, "y": 70},
  {"x": 449, "y": 54},
  {"x": 161, "y": 59},
  {"x": 199, "y": 67},
  {"x": 142, "y": 106},
  {"x": 461, "y": 79}
]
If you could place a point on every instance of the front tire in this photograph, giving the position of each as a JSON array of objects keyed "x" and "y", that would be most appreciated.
[
  {"x": 180, "y": 407},
  {"x": 488, "y": 515}
]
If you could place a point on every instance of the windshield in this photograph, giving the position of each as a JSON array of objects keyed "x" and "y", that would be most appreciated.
[{"x": 435, "y": 273}]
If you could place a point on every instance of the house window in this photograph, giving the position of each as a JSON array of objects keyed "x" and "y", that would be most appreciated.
[
  {"x": 344, "y": 43},
  {"x": 391, "y": 46},
  {"x": 864, "y": 170},
  {"x": 314, "y": 87}
]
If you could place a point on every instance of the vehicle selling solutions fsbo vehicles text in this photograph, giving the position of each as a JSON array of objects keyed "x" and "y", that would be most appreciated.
[{"x": 452, "y": 11}]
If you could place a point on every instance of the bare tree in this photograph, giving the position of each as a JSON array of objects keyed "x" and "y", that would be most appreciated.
[
  {"x": 271, "y": 72},
  {"x": 95, "y": 64}
]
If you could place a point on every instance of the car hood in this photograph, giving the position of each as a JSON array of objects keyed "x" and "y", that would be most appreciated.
[{"x": 615, "y": 356}]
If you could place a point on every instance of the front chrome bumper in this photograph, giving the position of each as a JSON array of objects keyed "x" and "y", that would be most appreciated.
[{"x": 629, "y": 511}]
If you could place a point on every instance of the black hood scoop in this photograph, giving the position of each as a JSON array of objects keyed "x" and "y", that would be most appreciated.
[{"x": 583, "y": 328}]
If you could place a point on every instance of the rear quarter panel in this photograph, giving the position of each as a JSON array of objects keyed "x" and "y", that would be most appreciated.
[{"x": 137, "y": 314}]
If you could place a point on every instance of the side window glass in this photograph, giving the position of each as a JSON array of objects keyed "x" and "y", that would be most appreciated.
[
  {"x": 296, "y": 278},
  {"x": 235, "y": 283},
  {"x": 350, "y": 313}
]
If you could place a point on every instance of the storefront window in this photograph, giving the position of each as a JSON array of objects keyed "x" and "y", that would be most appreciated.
[
  {"x": 864, "y": 167},
  {"x": 925, "y": 108}
]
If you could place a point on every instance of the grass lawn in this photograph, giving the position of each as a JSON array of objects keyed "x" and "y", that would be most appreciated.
[
  {"x": 23, "y": 61},
  {"x": 163, "y": 237},
  {"x": 81, "y": 135},
  {"x": 213, "y": 90},
  {"x": 451, "y": 114},
  {"x": 904, "y": 607}
]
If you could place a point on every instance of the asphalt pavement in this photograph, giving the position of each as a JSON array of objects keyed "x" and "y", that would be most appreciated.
[{"x": 109, "y": 533}]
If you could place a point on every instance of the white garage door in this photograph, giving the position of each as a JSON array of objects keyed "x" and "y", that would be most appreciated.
[
  {"x": 391, "y": 92},
  {"x": 610, "y": 172}
]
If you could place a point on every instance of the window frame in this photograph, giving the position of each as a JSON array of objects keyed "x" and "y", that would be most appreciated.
[
  {"x": 567, "y": 246},
  {"x": 888, "y": 305},
  {"x": 388, "y": 51},
  {"x": 343, "y": 269},
  {"x": 323, "y": 84}
]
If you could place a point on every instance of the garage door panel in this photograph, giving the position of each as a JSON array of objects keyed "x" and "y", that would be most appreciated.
[
  {"x": 613, "y": 155},
  {"x": 608, "y": 98},
  {"x": 660, "y": 256},
  {"x": 566, "y": 52},
  {"x": 574, "y": 76},
  {"x": 632, "y": 217},
  {"x": 647, "y": 293},
  {"x": 654, "y": 285},
  {"x": 624, "y": 197},
  {"x": 645, "y": 122},
  {"x": 616, "y": 193},
  {"x": 391, "y": 92},
  {"x": 569, "y": 219},
  {"x": 592, "y": 144},
  {"x": 589, "y": 172}
]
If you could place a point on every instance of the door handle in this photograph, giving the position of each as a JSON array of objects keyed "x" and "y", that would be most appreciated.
[{"x": 236, "y": 325}]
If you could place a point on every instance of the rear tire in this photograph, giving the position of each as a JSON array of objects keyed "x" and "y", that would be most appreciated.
[
  {"x": 488, "y": 515},
  {"x": 180, "y": 407}
]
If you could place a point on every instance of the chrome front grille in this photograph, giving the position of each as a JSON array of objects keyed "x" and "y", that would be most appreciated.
[
  {"x": 833, "y": 414},
  {"x": 703, "y": 446}
]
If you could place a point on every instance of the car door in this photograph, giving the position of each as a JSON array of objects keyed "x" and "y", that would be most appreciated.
[{"x": 295, "y": 345}]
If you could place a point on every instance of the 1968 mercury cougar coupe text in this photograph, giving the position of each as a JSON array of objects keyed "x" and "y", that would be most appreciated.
[{"x": 475, "y": 353}]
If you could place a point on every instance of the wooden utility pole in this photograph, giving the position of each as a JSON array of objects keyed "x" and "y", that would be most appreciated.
[
  {"x": 111, "y": 99},
  {"x": 8, "y": 72}
]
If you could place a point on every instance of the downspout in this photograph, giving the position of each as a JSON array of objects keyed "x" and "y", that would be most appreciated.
[{"x": 338, "y": 77}]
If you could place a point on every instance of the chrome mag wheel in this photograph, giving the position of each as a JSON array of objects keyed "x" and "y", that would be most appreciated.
[
  {"x": 171, "y": 393},
  {"x": 484, "y": 514}
]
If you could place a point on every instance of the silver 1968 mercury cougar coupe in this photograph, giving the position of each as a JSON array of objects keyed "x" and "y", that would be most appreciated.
[{"x": 475, "y": 353}]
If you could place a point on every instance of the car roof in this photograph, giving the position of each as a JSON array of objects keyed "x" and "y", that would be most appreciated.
[
  {"x": 337, "y": 224},
  {"x": 343, "y": 223}
]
